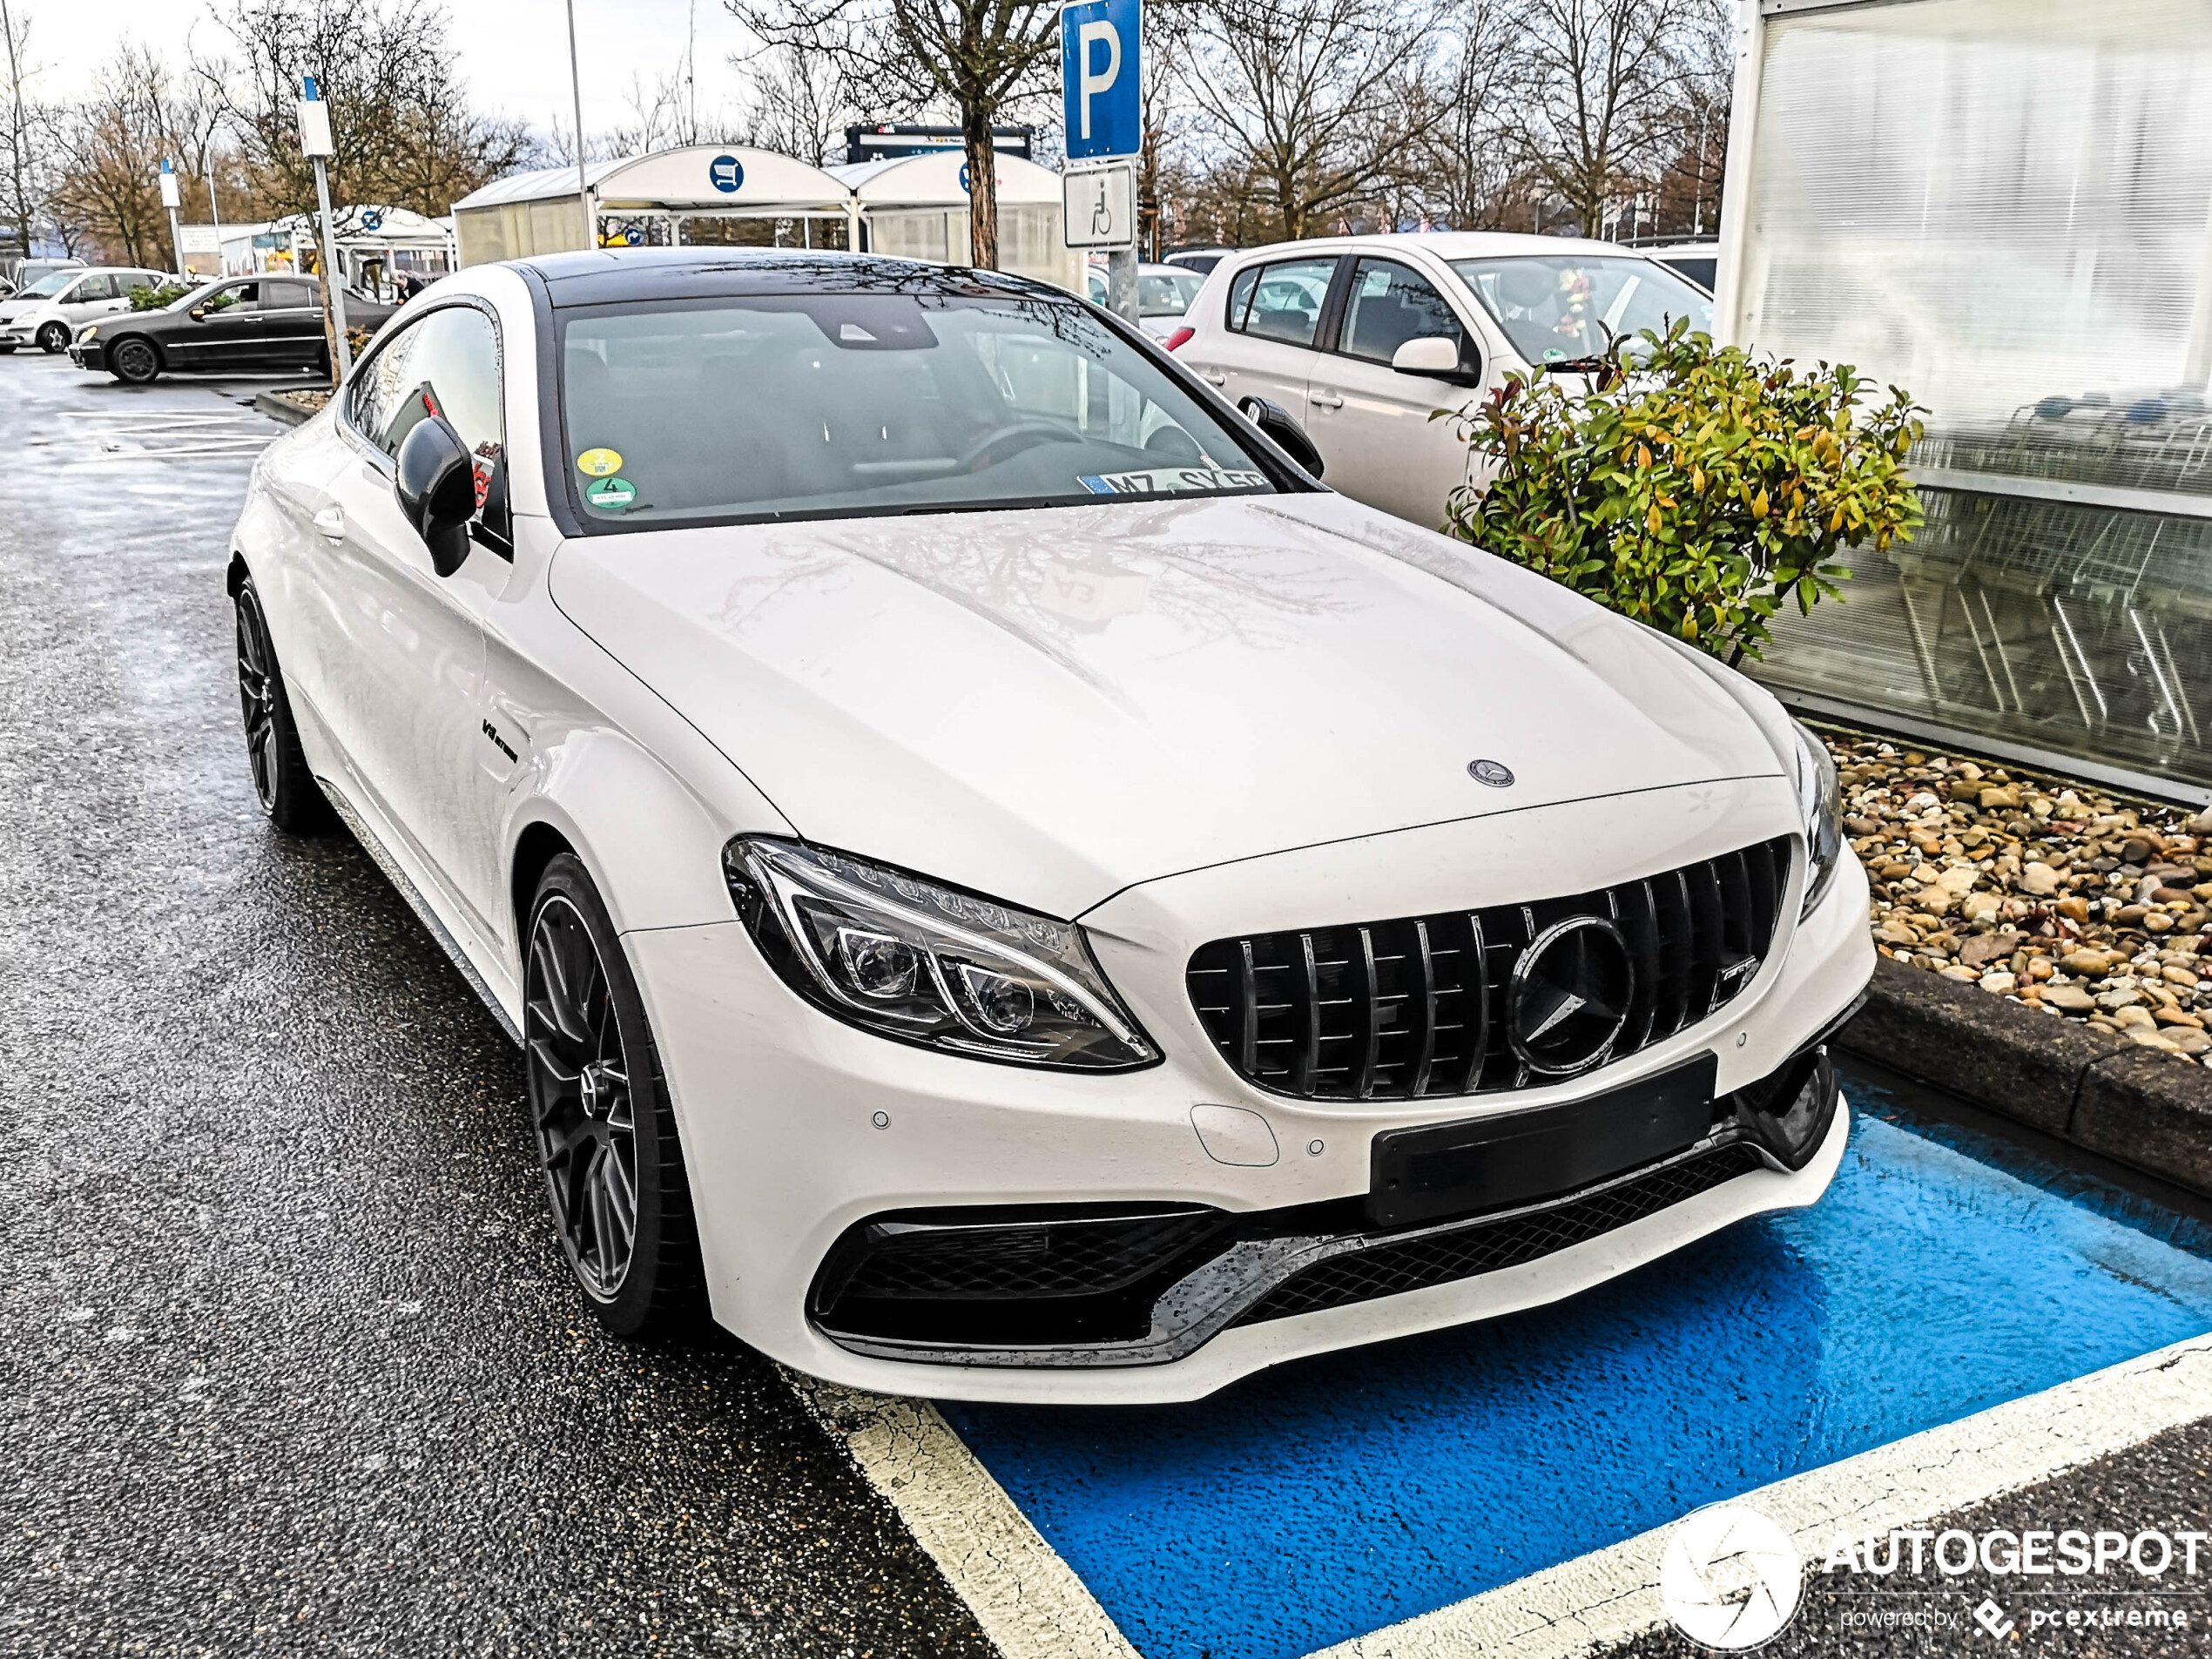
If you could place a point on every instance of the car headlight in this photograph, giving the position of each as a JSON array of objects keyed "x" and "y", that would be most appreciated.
[
  {"x": 925, "y": 964},
  {"x": 91, "y": 330},
  {"x": 1820, "y": 803}
]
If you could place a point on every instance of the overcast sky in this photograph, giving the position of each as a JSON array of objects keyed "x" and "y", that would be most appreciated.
[{"x": 514, "y": 53}]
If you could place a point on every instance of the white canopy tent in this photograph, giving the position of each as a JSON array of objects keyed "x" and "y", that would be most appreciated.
[
  {"x": 912, "y": 206},
  {"x": 712, "y": 194},
  {"x": 916, "y": 207}
]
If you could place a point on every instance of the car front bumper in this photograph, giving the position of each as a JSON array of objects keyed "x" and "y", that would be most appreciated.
[
  {"x": 799, "y": 1129},
  {"x": 88, "y": 354}
]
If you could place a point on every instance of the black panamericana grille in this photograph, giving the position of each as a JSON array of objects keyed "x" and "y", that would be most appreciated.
[
  {"x": 1417, "y": 1264},
  {"x": 1416, "y": 1007}
]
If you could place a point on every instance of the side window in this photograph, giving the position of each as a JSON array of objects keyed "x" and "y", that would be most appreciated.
[
  {"x": 1286, "y": 300},
  {"x": 446, "y": 363},
  {"x": 1240, "y": 297},
  {"x": 285, "y": 296},
  {"x": 246, "y": 296},
  {"x": 1391, "y": 304},
  {"x": 93, "y": 288}
]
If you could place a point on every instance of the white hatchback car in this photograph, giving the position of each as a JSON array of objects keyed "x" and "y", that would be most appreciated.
[
  {"x": 1007, "y": 887},
  {"x": 49, "y": 312},
  {"x": 1361, "y": 338}
]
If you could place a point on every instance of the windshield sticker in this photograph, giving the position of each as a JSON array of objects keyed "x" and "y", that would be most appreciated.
[
  {"x": 1171, "y": 480},
  {"x": 598, "y": 464},
  {"x": 612, "y": 493}
]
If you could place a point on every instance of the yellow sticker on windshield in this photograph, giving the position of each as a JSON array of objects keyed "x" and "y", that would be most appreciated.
[{"x": 598, "y": 464}]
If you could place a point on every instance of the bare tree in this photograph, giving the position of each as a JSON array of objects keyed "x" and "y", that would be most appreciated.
[
  {"x": 1463, "y": 154},
  {"x": 111, "y": 148},
  {"x": 1308, "y": 99},
  {"x": 801, "y": 101},
  {"x": 980, "y": 58},
  {"x": 21, "y": 144},
  {"x": 399, "y": 116},
  {"x": 1603, "y": 86}
]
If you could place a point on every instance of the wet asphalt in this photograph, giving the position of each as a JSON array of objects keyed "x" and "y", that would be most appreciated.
[{"x": 288, "y": 1358}]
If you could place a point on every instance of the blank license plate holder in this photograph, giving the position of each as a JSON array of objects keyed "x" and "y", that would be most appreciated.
[{"x": 1481, "y": 1164}]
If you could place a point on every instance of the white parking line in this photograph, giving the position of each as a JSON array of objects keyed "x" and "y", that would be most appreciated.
[
  {"x": 1028, "y": 1600},
  {"x": 158, "y": 434},
  {"x": 1031, "y": 1603}
]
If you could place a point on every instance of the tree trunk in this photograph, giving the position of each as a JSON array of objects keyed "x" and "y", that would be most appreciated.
[{"x": 982, "y": 189}]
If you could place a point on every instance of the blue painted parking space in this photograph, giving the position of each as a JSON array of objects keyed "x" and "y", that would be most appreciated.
[{"x": 1943, "y": 1273}]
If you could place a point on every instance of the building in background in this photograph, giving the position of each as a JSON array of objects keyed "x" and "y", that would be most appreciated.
[
  {"x": 731, "y": 195},
  {"x": 2005, "y": 206}
]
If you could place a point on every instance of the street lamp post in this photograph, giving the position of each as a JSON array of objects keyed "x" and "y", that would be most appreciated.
[
  {"x": 171, "y": 200},
  {"x": 575, "y": 90}
]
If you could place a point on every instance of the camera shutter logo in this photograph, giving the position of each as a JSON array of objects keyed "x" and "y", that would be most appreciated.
[{"x": 1730, "y": 1578}]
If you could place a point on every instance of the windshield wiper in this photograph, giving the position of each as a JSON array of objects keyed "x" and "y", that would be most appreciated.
[{"x": 1574, "y": 364}]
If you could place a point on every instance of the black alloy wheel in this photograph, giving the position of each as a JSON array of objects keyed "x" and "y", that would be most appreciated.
[
  {"x": 54, "y": 338},
  {"x": 282, "y": 779},
  {"x": 134, "y": 361},
  {"x": 606, "y": 1135}
]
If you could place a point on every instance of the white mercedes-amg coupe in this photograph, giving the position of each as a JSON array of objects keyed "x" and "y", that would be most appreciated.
[{"x": 1009, "y": 889}]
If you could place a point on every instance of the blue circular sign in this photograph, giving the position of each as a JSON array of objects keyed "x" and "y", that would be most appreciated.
[
  {"x": 726, "y": 174},
  {"x": 963, "y": 178},
  {"x": 372, "y": 220}
]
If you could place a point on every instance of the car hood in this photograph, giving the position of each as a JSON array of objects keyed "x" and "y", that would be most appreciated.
[{"x": 1050, "y": 705}]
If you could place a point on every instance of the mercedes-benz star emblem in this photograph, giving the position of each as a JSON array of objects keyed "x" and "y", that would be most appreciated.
[
  {"x": 1495, "y": 773},
  {"x": 1569, "y": 994}
]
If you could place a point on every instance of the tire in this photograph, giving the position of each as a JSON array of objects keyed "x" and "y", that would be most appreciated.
[
  {"x": 282, "y": 782},
  {"x": 134, "y": 361},
  {"x": 606, "y": 1135},
  {"x": 53, "y": 339}
]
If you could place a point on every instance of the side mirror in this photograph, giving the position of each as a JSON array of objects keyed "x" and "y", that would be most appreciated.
[
  {"x": 1274, "y": 420},
  {"x": 198, "y": 313},
  {"x": 437, "y": 490},
  {"x": 1433, "y": 357}
]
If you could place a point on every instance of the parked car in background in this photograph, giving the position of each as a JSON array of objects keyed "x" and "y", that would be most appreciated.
[
  {"x": 1163, "y": 294},
  {"x": 48, "y": 312},
  {"x": 1361, "y": 338},
  {"x": 18, "y": 274},
  {"x": 254, "y": 325},
  {"x": 1201, "y": 259},
  {"x": 1699, "y": 261}
]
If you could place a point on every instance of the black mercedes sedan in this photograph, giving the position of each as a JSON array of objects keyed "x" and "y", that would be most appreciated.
[{"x": 250, "y": 325}]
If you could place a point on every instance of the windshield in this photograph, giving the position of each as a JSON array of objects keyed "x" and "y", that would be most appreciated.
[
  {"x": 47, "y": 286},
  {"x": 1166, "y": 293},
  {"x": 809, "y": 406},
  {"x": 1565, "y": 307}
]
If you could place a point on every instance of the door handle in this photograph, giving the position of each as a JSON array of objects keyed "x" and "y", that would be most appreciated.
[
  {"x": 1213, "y": 377},
  {"x": 331, "y": 522},
  {"x": 1325, "y": 400}
]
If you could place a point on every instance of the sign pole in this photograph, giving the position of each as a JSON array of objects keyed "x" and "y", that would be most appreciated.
[
  {"x": 170, "y": 200},
  {"x": 1101, "y": 44},
  {"x": 576, "y": 91},
  {"x": 315, "y": 143}
]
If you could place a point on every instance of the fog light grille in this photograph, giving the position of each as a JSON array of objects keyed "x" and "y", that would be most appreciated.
[
  {"x": 1417, "y": 1264},
  {"x": 1420, "y": 1007}
]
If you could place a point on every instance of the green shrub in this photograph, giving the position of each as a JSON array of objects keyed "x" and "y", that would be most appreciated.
[
  {"x": 1695, "y": 488},
  {"x": 168, "y": 294}
]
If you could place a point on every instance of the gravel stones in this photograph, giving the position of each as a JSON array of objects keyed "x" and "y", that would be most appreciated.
[{"x": 2090, "y": 906}]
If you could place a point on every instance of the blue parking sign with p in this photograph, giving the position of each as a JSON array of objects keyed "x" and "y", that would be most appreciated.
[{"x": 1099, "y": 47}]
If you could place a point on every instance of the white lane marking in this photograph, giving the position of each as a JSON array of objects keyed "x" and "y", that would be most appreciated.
[
  {"x": 158, "y": 434},
  {"x": 1028, "y": 1600},
  {"x": 1611, "y": 1595}
]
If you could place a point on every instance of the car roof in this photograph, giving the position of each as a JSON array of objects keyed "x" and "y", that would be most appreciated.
[
  {"x": 1460, "y": 244},
  {"x": 613, "y": 275}
]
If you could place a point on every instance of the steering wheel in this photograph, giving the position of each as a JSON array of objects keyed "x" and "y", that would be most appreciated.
[{"x": 1005, "y": 442}]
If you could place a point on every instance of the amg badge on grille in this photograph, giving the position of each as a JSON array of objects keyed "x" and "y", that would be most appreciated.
[{"x": 1495, "y": 773}]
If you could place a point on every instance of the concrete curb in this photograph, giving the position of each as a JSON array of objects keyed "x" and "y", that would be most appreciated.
[
  {"x": 280, "y": 409},
  {"x": 2149, "y": 1111}
]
